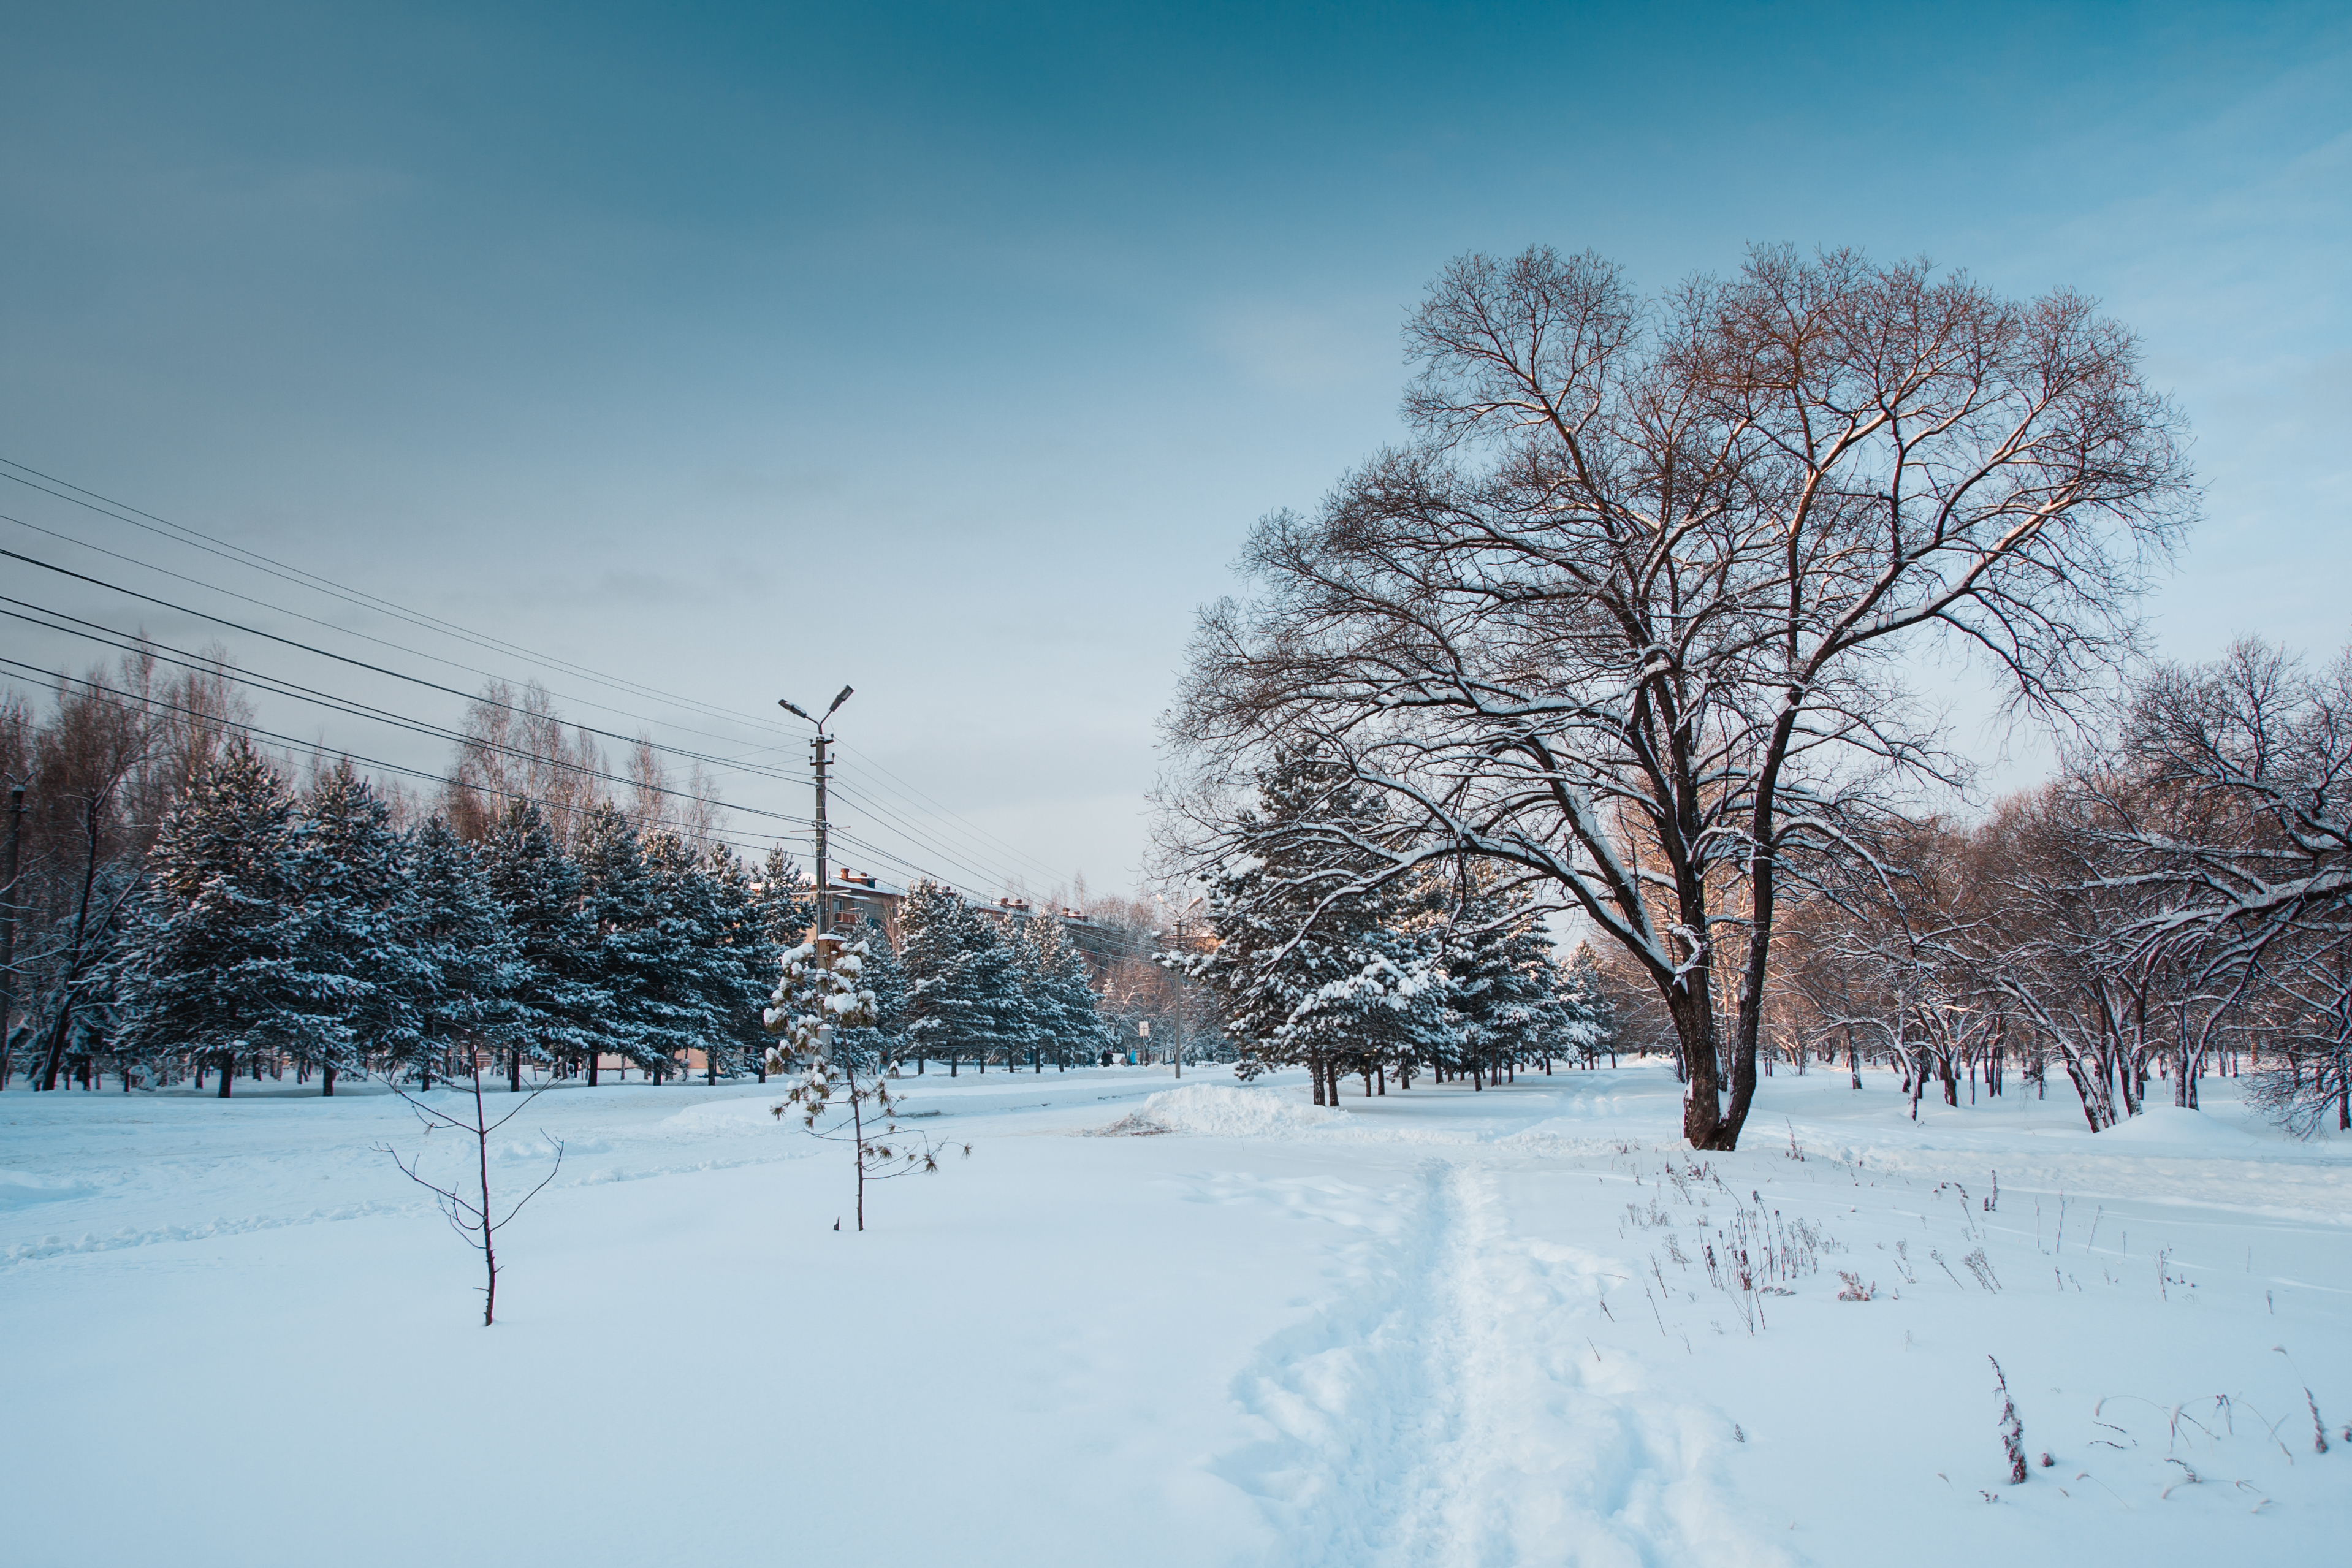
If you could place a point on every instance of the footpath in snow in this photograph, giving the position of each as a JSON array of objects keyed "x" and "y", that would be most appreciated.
[{"x": 1197, "y": 1325}]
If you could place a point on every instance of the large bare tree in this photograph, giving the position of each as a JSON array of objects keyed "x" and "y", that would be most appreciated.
[{"x": 1630, "y": 613}]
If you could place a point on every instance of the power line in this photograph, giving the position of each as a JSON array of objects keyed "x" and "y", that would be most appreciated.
[
  {"x": 351, "y": 707},
  {"x": 363, "y": 664},
  {"x": 110, "y": 636},
  {"x": 348, "y": 631},
  {"x": 907, "y": 790},
  {"x": 127, "y": 699},
  {"x": 899, "y": 809},
  {"x": 896, "y": 825},
  {"x": 240, "y": 555},
  {"x": 182, "y": 533}
]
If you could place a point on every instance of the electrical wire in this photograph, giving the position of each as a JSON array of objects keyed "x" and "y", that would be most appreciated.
[
  {"x": 130, "y": 699},
  {"x": 122, "y": 512},
  {"x": 286, "y": 572},
  {"x": 362, "y": 664},
  {"x": 352, "y": 632},
  {"x": 905, "y": 790},
  {"x": 883, "y": 818},
  {"x": 113, "y": 637},
  {"x": 278, "y": 687}
]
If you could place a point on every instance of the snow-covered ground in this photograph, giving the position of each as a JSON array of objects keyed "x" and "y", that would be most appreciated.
[{"x": 1437, "y": 1327}]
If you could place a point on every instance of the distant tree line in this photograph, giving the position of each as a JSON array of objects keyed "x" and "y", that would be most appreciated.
[{"x": 183, "y": 908}]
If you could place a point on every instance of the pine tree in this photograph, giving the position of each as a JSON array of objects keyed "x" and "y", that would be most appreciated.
[
  {"x": 459, "y": 930},
  {"x": 743, "y": 968},
  {"x": 623, "y": 898},
  {"x": 823, "y": 1004},
  {"x": 350, "y": 874},
  {"x": 957, "y": 976},
  {"x": 1306, "y": 997},
  {"x": 698, "y": 970},
  {"x": 218, "y": 975},
  {"x": 784, "y": 898},
  {"x": 1061, "y": 995},
  {"x": 1503, "y": 990},
  {"x": 1584, "y": 997},
  {"x": 560, "y": 1002}
]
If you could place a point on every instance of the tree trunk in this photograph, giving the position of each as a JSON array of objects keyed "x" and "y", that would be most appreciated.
[
  {"x": 228, "y": 1073},
  {"x": 1698, "y": 1049},
  {"x": 327, "y": 1080}
]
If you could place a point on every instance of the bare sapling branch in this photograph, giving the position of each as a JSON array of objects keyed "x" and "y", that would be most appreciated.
[{"x": 473, "y": 1217}]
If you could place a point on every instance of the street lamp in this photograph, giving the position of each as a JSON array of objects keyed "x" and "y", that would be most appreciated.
[{"x": 823, "y": 904}]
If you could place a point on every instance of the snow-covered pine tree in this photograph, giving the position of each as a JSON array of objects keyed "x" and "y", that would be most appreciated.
[
  {"x": 350, "y": 871},
  {"x": 458, "y": 928},
  {"x": 1017, "y": 1009},
  {"x": 1382, "y": 1018},
  {"x": 1502, "y": 989},
  {"x": 643, "y": 1021},
  {"x": 217, "y": 976},
  {"x": 823, "y": 1008},
  {"x": 1584, "y": 997},
  {"x": 956, "y": 978},
  {"x": 1061, "y": 994},
  {"x": 559, "y": 1001},
  {"x": 1293, "y": 998},
  {"x": 688, "y": 939},
  {"x": 743, "y": 967}
]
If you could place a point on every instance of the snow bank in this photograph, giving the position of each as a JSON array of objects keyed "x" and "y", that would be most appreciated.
[
  {"x": 2176, "y": 1126},
  {"x": 1216, "y": 1111}
]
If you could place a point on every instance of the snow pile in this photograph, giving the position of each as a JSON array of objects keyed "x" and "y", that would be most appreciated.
[
  {"x": 2176, "y": 1126},
  {"x": 1217, "y": 1111}
]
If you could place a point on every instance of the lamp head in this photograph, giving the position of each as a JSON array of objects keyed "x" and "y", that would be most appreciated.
[
  {"x": 793, "y": 707},
  {"x": 840, "y": 699}
]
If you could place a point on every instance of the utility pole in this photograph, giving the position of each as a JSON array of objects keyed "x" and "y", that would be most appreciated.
[
  {"x": 823, "y": 904},
  {"x": 8, "y": 924}
]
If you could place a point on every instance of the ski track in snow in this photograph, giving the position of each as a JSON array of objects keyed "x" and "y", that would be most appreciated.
[{"x": 1444, "y": 1410}]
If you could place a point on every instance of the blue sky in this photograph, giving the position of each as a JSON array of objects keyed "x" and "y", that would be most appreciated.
[{"x": 951, "y": 350}]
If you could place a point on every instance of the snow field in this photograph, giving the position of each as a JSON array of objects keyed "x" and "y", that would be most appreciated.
[{"x": 1435, "y": 1327}]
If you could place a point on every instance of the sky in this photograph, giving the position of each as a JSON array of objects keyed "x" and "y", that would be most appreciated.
[{"x": 950, "y": 351}]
